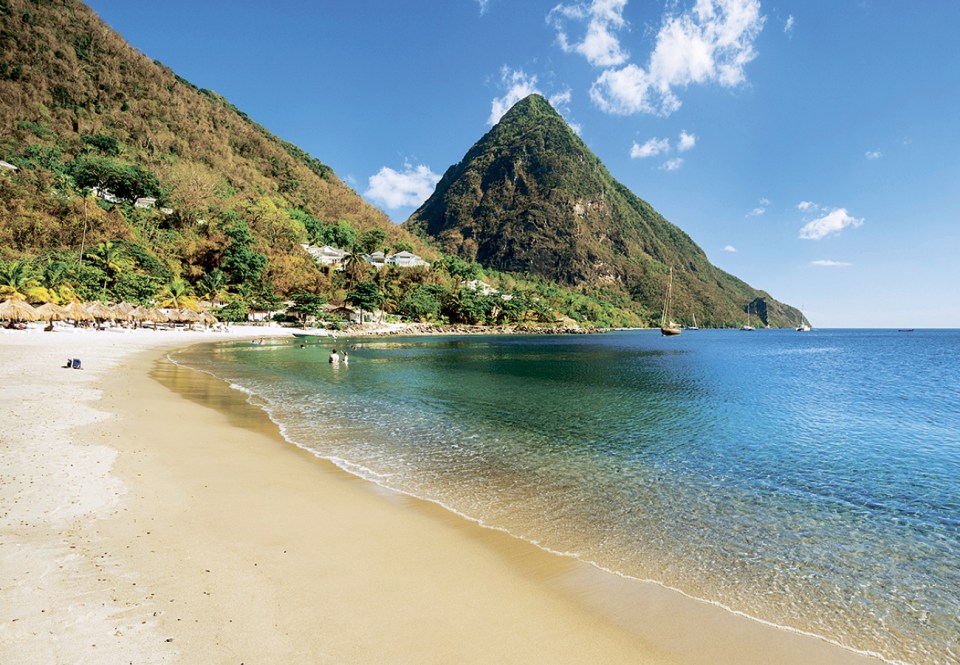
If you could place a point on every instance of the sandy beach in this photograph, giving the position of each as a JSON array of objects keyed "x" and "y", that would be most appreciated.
[{"x": 148, "y": 514}]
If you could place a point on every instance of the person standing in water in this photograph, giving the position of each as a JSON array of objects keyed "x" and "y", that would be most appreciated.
[
  {"x": 334, "y": 357},
  {"x": 346, "y": 358}
]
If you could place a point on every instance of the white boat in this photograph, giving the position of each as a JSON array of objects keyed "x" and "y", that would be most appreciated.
[
  {"x": 803, "y": 327},
  {"x": 694, "y": 326},
  {"x": 747, "y": 326},
  {"x": 312, "y": 332},
  {"x": 668, "y": 327}
]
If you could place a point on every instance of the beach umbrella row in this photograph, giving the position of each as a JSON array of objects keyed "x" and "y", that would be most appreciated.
[{"x": 19, "y": 310}]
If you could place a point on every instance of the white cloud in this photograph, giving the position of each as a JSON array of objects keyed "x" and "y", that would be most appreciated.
[
  {"x": 806, "y": 205},
  {"x": 672, "y": 164},
  {"x": 397, "y": 189},
  {"x": 561, "y": 102},
  {"x": 519, "y": 84},
  {"x": 713, "y": 42},
  {"x": 730, "y": 248},
  {"x": 833, "y": 222},
  {"x": 788, "y": 26},
  {"x": 760, "y": 209},
  {"x": 874, "y": 154},
  {"x": 651, "y": 148},
  {"x": 600, "y": 46},
  {"x": 654, "y": 147},
  {"x": 827, "y": 263},
  {"x": 484, "y": 5},
  {"x": 561, "y": 99}
]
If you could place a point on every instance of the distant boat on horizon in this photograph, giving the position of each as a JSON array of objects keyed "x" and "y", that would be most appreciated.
[
  {"x": 668, "y": 327},
  {"x": 803, "y": 327},
  {"x": 694, "y": 326}
]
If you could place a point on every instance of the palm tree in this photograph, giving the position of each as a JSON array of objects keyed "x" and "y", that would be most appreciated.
[
  {"x": 213, "y": 286},
  {"x": 176, "y": 294},
  {"x": 353, "y": 264},
  {"x": 55, "y": 280},
  {"x": 109, "y": 256},
  {"x": 18, "y": 282},
  {"x": 386, "y": 279}
]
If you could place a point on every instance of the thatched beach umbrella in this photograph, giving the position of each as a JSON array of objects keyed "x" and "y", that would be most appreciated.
[
  {"x": 158, "y": 315},
  {"x": 207, "y": 318},
  {"x": 138, "y": 314},
  {"x": 141, "y": 315},
  {"x": 99, "y": 311},
  {"x": 52, "y": 312},
  {"x": 77, "y": 312},
  {"x": 188, "y": 315},
  {"x": 121, "y": 311},
  {"x": 17, "y": 310},
  {"x": 124, "y": 308}
]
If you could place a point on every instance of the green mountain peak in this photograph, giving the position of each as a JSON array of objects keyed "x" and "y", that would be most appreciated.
[{"x": 531, "y": 198}]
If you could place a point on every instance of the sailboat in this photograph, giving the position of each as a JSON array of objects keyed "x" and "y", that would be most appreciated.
[
  {"x": 668, "y": 327},
  {"x": 803, "y": 327},
  {"x": 694, "y": 326},
  {"x": 747, "y": 326}
]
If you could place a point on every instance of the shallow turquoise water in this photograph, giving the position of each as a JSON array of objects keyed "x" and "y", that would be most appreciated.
[{"x": 811, "y": 480}]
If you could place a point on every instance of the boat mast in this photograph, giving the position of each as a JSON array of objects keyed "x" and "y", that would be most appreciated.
[{"x": 665, "y": 320}]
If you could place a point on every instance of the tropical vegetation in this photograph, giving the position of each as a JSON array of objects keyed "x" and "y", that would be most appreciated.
[{"x": 125, "y": 182}]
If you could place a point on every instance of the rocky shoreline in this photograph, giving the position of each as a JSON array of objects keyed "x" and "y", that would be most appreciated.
[{"x": 463, "y": 329}]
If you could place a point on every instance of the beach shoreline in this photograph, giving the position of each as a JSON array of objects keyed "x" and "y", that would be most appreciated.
[{"x": 155, "y": 516}]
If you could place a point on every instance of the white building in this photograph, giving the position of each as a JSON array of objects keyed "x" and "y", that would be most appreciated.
[
  {"x": 406, "y": 260},
  {"x": 481, "y": 287},
  {"x": 105, "y": 194},
  {"x": 377, "y": 259},
  {"x": 7, "y": 166},
  {"x": 327, "y": 255},
  {"x": 145, "y": 202}
]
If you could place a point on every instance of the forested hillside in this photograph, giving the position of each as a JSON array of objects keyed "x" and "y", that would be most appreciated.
[
  {"x": 89, "y": 127},
  {"x": 121, "y": 181}
]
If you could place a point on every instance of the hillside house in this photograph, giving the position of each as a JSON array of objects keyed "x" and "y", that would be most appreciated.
[
  {"x": 377, "y": 259},
  {"x": 105, "y": 194},
  {"x": 7, "y": 166},
  {"x": 327, "y": 255},
  {"x": 406, "y": 260},
  {"x": 480, "y": 287},
  {"x": 145, "y": 202}
]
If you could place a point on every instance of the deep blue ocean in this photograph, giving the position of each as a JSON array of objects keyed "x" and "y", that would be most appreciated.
[{"x": 810, "y": 480}]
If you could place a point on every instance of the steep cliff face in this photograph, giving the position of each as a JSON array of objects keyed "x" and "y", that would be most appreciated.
[{"x": 530, "y": 197}]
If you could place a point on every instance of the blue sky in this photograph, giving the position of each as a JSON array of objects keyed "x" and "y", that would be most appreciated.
[{"x": 810, "y": 147}]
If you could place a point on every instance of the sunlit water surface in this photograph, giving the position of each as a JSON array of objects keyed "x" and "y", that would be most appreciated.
[{"x": 811, "y": 480}]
